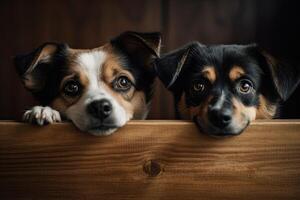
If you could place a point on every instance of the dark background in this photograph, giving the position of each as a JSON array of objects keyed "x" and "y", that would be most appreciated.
[{"x": 25, "y": 24}]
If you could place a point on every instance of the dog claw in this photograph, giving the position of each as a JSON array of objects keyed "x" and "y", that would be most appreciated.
[{"x": 41, "y": 115}]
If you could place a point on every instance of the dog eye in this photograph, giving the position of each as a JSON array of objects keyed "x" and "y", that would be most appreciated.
[
  {"x": 122, "y": 83},
  {"x": 198, "y": 87},
  {"x": 71, "y": 88},
  {"x": 245, "y": 86}
]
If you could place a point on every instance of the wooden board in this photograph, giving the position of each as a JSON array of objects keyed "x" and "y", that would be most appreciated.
[{"x": 149, "y": 160}]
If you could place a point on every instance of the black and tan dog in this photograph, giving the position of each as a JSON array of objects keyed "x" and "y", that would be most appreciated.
[
  {"x": 99, "y": 89},
  {"x": 224, "y": 87}
]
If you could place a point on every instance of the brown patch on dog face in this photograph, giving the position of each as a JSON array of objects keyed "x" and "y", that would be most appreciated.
[
  {"x": 135, "y": 105},
  {"x": 242, "y": 114},
  {"x": 209, "y": 72},
  {"x": 236, "y": 72},
  {"x": 62, "y": 102},
  {"x": 133, "y": 101},
  {"x": 112, "y": 68},
  {"x": 139, "y": 105},
  {"x": 265, "y": 109},
  {"x": 199, "y": 111}
]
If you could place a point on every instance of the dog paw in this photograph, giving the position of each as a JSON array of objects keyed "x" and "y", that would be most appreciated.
[{"x": 41, "y": 115}]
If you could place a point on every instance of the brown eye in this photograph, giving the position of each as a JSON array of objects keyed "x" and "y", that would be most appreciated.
[
  {"x": 71, "y": 88},
  {"x": 198, "y": 87},
  {"x": 245, "y": 86},
  {"x": 122, "y": 83}
]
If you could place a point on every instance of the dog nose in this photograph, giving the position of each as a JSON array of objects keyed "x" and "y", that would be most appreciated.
[
  {"x": 100, "y": 109},
  {"x": 220, "y": 117}
]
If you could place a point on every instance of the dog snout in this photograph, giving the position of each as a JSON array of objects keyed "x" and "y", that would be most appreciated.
[
  {"x": 220, "y": 118},
  {"x": 100, "y": 109}
]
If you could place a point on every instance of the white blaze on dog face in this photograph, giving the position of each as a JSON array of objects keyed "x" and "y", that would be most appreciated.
[
  {"x": 97, "y": 71},
  {"x": 98, "y": 89},
  {"x": 91, "y": 64}
]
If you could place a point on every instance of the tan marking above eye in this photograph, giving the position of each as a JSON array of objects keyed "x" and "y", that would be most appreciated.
[
  {"x": 209, "y": 72},
  {"x": 236, "y": 72},
  {"x": 112, "y": 68},
  {"x": 65, "y": 79}
]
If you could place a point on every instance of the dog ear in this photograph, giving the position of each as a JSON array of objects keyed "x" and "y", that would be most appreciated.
[
  {"x": 39, "y": 70},
  {"x": 284, "y": 77},
  {"x": 142, "y": 48},
  {"x": 170, "y": 66},
  {"x": 35, "y": 67}
]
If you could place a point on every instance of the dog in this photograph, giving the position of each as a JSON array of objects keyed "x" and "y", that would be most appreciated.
[
  {"x": 98, "y": 89},
  {"x": 222, "y": 88}
]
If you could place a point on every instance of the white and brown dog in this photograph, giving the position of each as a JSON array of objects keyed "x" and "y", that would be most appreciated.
[{"x": 99, "y": 89}]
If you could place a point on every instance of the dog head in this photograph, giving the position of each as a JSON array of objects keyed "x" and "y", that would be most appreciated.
[
  {"x": 224, "y": 87},
  {"x": 99, "y": 89}
]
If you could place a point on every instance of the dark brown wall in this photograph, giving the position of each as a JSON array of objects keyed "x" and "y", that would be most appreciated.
[{"x": 25, "y": 24}]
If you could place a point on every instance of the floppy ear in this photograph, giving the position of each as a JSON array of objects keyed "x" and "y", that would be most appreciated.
[
  {"x": 142, "y": 48},
  {"x": 284, "y": 77},
  {"x": 170, "y": 66},
  {"x": 34, "y": 67},
  {"x": 40, "y": 67}
]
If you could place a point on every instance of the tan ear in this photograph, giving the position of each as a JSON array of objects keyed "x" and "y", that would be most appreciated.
[
  {"x": 141, "y": 47},
  {"x": 35, "y": 66},
  {"x": 43, "y": 56}
]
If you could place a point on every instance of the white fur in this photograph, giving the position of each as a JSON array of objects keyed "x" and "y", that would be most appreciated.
[
  {"x": 41, "y": 115},
  {"x": 91, "y": 64},
  {"x": 220, "y": 101}
]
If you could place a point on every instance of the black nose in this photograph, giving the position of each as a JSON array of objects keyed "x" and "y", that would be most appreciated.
[
  {"x": 100, "y": 109},
  {"x": 220, "y": 117}
]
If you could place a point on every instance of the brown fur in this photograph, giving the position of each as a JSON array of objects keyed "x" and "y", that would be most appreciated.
[
  {"x": 134, "y": 102},
  {"x": 236, "y": 72},
  {"x": 265, "y": 110},
  {"x": 242, "y": 113},
  {"x": 209, "y": 72},
  {"x": 198, "y": 111}
]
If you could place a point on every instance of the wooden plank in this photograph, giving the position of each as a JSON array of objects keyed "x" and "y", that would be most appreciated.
[{"x": 149, "y": 160}]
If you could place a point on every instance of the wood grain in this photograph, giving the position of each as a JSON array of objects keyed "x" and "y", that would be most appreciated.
[{"x": 149, "y": 160}]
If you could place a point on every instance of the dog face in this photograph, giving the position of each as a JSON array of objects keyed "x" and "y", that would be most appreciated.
[
  {"x": 99, "y": 89},
  {"x": 223, "y": 88}
]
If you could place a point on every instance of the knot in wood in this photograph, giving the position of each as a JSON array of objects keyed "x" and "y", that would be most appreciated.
[{"x": 152, "y": 168}]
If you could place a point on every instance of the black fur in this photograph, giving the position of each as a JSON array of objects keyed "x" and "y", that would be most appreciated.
[
  {"x": 46, "y": 75},
  {"x": 138, "y": 50},
  {"x": 180, "y": 68}
]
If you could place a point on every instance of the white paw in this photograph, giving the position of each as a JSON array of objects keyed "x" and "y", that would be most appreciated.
[{"x": 41, "y": 115}]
